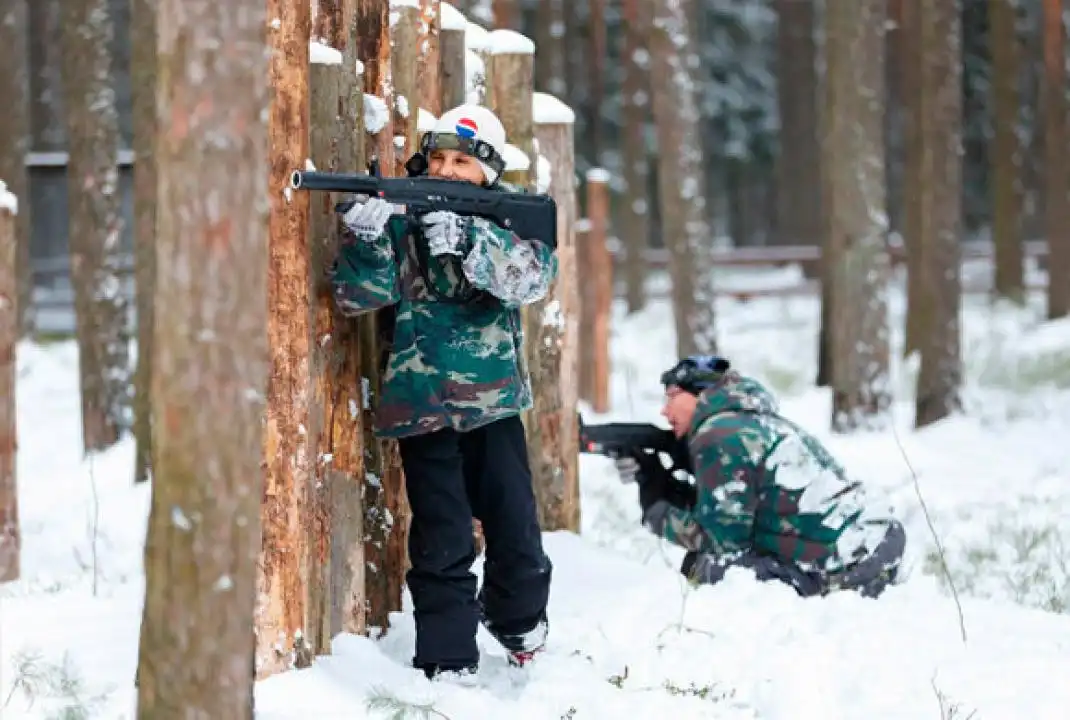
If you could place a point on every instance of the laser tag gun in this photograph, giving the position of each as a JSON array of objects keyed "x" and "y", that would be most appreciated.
[
  {"x": 615, "y": 440},
  {"x": 530, "y": 216}
]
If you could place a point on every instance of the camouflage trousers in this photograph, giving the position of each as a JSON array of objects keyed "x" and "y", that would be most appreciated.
[{"x": 869, "y": 577}]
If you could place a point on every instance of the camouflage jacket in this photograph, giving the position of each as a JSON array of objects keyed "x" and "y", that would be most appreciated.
[
  {"x": 766, "y": 486},
  {"x": 456, "y": 359}
]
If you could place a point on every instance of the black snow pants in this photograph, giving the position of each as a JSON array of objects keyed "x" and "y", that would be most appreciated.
[
  {"x": 451, "y": 477},
  {"x": 870, "y": 577}
]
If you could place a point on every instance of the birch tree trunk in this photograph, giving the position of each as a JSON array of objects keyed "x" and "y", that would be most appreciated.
[
  {"x": 212, "y": 363},
  {"x": 143, "y": 86},
  {"x": 853, "y": 157},
  {"x": 95, "y": 224},
  {"x": 282, "y": 592},
  {"x": 680, "y": 181}
]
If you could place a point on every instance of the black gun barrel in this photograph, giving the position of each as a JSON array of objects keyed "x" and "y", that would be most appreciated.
[{"x": 333, "y": 182}]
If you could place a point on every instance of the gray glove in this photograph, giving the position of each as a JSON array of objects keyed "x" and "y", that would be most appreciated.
[
  {"x": 446, "y": 232},
  {"x": 627, "y": 469},
  {"x": 367, "y": 220}
]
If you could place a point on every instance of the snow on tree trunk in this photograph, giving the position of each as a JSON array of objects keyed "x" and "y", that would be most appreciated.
[
  {"x": 1005, "y": 152},
  {"x": 555, "y": 344},
  {"x": 853, "y": 166},
  {"x": 143, "y": 87},
  {"x": 685, "y": 230},
  {"x": 95, "y": 223},
  {"x": 211, "y": 361},
  {"x": 9, "y": 336},
  {"x": 635, "y": 226},
  {"x": 1057, "y": 187},
  {"x": 282, "y": 589},
  {"x": 15, "y": 131},
  {"x": 935, "y": 182}
]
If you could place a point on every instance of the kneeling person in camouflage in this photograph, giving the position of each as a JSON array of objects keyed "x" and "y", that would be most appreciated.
[
  {"x": 454, "y": 386},
  {"x": 767, "y": 495}
]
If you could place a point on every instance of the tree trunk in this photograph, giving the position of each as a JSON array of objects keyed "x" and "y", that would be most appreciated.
[
  {"x": 453, "y": 88},
  {"x": 799, "y": 206},
  {"x": 143, "y": 88},
  {"x": 680, "y": 181},
  {"x": 405, "y": 38},
  {"x": 211, "y": 361},
  {"x": 95, "y": 222},
  {"x": 635, "y": 227},
  {"x": 9, "y": 337},
  {"x": 913, "y": 222},
  {"x": 936, "y": 177},
  {"x": 429, "y": 80},
  {"x": 385, "y": 511},
  {"x": 853, "y": 153},
  {"x": 1057, "y": 188},
  {"x": 555, "y": 348},
  {"x": 506, "y": 14},
  {"x": 1005, "y": 153},
  {"x": 285, "y": 517},
  {"x": 15, "y": 131}
]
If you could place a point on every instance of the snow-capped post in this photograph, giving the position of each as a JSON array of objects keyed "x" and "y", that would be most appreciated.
[
  {"x": 385, "y": 510},
  {"x": 9, "y": 336},
  {"x": 95, "y": 222},
  {"x": 511, "y": 68},
  {"x": 429, "y": 78},
  {"x": 211, "y": 362},
  {"x": 282, "y": 591},
  {"x": 596, "y": 269},
  {"x": 451, "y": 53},
  {"x": 555, "y": 346},
  {"x": 405, "y": 22},
  {"x": 477, "y": 63}
]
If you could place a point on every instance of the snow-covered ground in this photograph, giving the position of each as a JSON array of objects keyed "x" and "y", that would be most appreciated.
[{"x": 629, "y": 639}]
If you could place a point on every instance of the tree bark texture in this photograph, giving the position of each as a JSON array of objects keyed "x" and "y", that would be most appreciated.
[
  {"x": 1057, "y": 188},
  {"x": 1006, "y": 152},
  {"x": 95, "y": 222},
  {"x": 597, "y": 294},
  {"x": 143, "y": 87},
  {"x": 512, "y": 86},
  {"x": 680, "y": 181},
  {"x": 9, "y": 336},
  {"x": 853, "y": 153},
  {"x": 285, "y": 517},
  {"x": 935, "y": 176},
  {"x": 428, "y": 53},
  {"x": 15, "y": 143},
  {"x": 453, "y": 87},
  {"x": 913, "y": 145},
  {"x": 555, "y": 351},
  {"x": 635, "y": 227},
  {"x": 372, "y": 23},
  {"x": 405, "y": 39},
  {"x": 211, "y": 360}
]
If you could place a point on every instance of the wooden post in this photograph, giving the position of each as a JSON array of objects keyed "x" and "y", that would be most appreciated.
[
  {"x": 584, "y": 273},
  {"x": 282, "y": 586},
  {"x": 557, "y": 342},
  {"x": 405, "y": 38},
  {"x": 451, "y": 55},
  {"x": 9, "y": 336},
  {"x": 598, "y": 274},
  {"x": 511, "y": 71},
  {"x": 477, "y": 63},
  {"x": 429, "y": 80},
  {"x": 385, "y": 509}
]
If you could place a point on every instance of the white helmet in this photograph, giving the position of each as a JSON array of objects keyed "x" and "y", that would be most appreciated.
[{"x": 472, "y": 129}]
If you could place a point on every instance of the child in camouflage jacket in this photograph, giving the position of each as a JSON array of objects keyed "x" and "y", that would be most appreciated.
[{"x": 454, "y": 387}]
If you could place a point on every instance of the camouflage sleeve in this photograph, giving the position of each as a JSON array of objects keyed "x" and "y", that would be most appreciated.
[
  {"x": 365, "y": 274},
  {"x": 721, "y": 522},
  {"x": 514, "y": 270}
]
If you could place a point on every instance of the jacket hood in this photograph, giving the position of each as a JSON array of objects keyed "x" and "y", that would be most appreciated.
[{"x": 734, "y": 393}]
